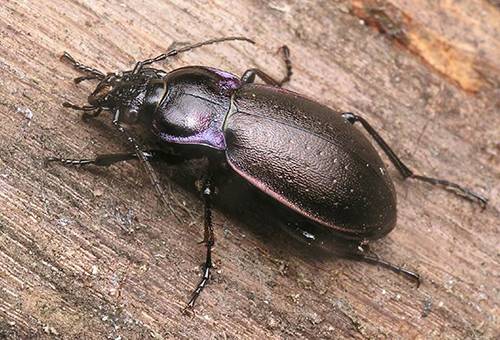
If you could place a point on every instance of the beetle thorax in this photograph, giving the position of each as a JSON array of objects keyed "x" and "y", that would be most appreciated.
[{"x": 194, "y": 107}]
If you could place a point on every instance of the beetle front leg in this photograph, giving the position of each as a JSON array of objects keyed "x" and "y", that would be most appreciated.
[
  {"x": 249, "y": 75},
  {"x": 406, "y": 172},
  {"x": 108, "y": 159},
  {"x": 145, "y": 157},
  {"x": 208, "y": 240},
  {"x": 141, "y": 155}
]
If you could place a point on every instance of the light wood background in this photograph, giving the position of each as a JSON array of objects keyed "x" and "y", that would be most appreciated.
[{"x": 88, "y": 253}]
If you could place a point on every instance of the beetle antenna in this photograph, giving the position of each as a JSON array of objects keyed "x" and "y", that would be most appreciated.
[
  {"x": 96, "y": 74},
  {"x": 147, "y": 165},
  {"x": 174, "y": 52}
]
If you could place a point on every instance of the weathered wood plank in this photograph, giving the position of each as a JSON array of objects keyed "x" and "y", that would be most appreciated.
[{"x": 88, "y": 253}]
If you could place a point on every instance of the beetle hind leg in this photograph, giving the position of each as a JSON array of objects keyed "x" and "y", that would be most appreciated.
[
  {"x": 407, "y": 172},
  {"x": 375, "y": 259}
]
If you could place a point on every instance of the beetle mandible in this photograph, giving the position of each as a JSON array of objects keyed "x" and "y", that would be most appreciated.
[{"x": 334, "y": 177}]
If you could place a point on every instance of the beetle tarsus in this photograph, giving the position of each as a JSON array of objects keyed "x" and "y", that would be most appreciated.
[
  {"x": 455, "y": 188},
  {"x": 375, "y": 259},
  {"x": 208, "y": 240},
  {"x": 407, "y": 172},
  {"x": 99, "y": 160},
  {"x": 112, "y": 158},
  {"x": 288, "y": 64},
  {"x": 249, "y": 75},
  {"x": 68, "y": 161}
]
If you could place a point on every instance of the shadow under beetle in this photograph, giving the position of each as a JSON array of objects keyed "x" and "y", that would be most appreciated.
[{"x": 308, "y": 157}]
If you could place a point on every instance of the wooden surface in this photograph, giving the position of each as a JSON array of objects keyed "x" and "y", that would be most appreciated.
[{"x": 89, "y": 253}]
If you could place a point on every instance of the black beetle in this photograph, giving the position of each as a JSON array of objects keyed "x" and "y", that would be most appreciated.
[{"x": 303, "y": 154}]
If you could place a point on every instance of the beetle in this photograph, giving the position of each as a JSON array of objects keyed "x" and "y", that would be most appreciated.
[{"x": 308, "y": 157}]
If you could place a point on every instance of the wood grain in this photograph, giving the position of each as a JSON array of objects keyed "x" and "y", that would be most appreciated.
[{"x": 88, "y": 253}]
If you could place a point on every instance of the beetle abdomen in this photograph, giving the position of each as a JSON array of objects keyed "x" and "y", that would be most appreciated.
[{"x": 311, "y": 159}]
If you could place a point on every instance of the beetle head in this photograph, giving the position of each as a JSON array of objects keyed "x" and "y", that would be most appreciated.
[{"x": 129, "y": 95}]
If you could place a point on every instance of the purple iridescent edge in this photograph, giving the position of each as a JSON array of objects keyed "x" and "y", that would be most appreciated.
[{"x": 213, "y": 135}]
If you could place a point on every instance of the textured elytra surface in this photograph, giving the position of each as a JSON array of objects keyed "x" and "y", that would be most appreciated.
[
  {"x": 87, "y": 253},
  {"x": 311, "y": 159}
]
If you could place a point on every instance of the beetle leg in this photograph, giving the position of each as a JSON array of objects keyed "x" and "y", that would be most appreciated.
[
  {"x": 108, "y": 159},
  {"x": 407, "y": 173},
  {"x": 147, "y": 166},
  {"x": 145, "y": 157},
  {"x": 249, "y": 75},
  {"x": 373, "y": 258},
  {"x": 208, "y": 240}
]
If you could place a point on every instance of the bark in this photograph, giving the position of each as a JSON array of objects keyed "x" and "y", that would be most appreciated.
[{"x": 88, "y": 253}]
